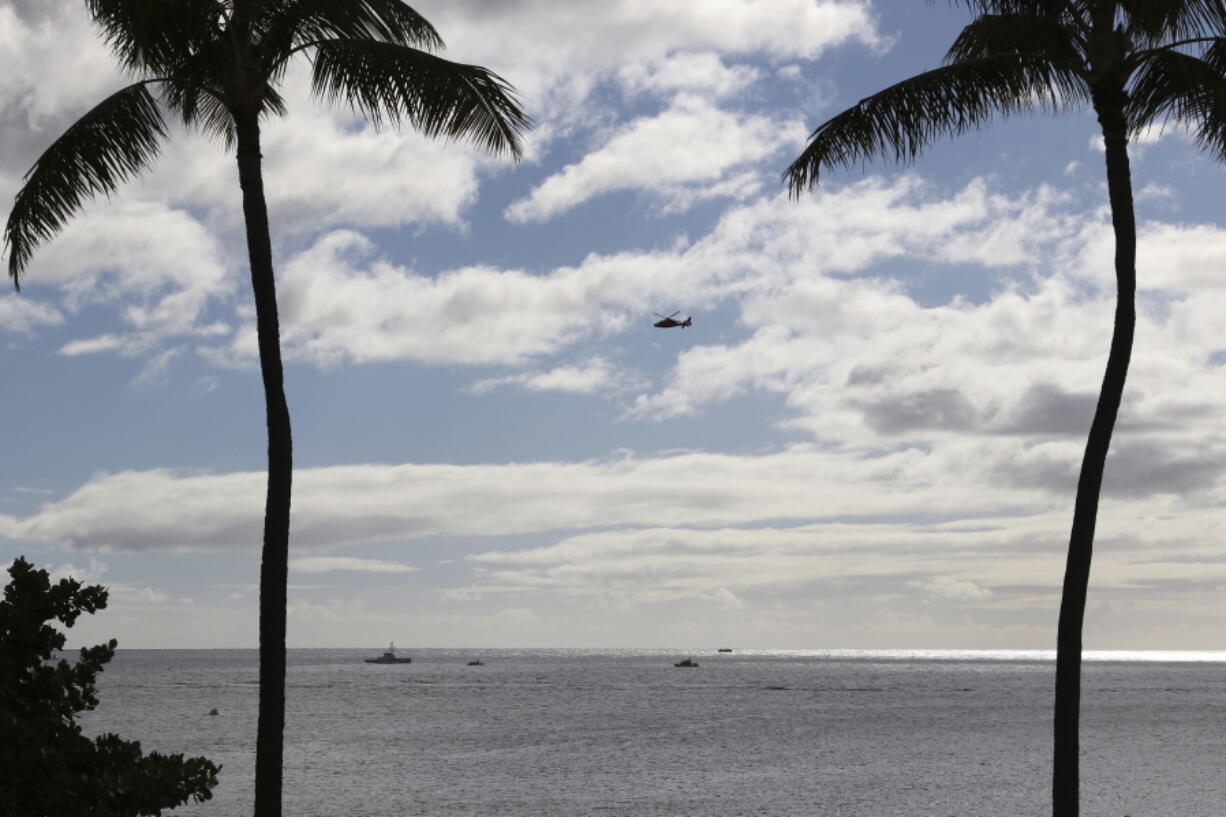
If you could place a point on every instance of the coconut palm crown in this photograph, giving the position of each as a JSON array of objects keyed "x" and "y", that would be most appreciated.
[
  {"x": 1136, "y": 63},
  {"x": 217, "y": 65}
]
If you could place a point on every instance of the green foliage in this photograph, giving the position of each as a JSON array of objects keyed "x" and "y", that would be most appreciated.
[{"x": 48, "y": 768}]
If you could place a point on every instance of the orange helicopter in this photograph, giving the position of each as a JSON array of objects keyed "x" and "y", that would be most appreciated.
[{"x": 667, "y": 322}]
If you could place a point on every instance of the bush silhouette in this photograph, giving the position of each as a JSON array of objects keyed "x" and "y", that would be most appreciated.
[{"x": 47, "y": 767}]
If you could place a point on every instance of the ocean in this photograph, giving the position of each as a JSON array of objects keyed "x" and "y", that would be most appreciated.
[{"x": 567, "y": 733}]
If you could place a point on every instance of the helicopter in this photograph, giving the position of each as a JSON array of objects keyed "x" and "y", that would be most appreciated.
[{"x": 667, "y": 322}]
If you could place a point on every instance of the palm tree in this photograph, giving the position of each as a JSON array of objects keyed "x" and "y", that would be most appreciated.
[
  {"x": 1135, "y": 62},
  {"x": 217, "y": 65}
]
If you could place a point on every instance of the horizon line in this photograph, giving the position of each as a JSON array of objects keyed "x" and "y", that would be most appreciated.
[{"x": 988, "y": 653}]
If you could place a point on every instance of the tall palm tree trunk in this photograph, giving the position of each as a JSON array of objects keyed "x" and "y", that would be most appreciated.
[
  {"x": 274, "y": 564},
  {"x": 1066, "y": 772}
]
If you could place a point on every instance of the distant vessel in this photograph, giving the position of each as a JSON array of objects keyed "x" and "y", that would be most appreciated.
[
  {"x": 724, "y": 649},
  {"x": 689, "y": 662},
  {"x": 389, "y": 657},
  {"x": 477, "y": 663}
]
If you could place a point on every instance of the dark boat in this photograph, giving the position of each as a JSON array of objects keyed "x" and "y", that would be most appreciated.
[
  {"x": 477, "y": 663},
  {"x": 689, "y": 662},
  {"x": 724, "y": 649},
  {"x": 389, "y": 657}
]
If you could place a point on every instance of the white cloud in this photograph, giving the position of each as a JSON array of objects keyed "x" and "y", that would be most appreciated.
[
  {"x": 787, "y": 264},
  {"x": 163, "y": 269},
  {"x": 860, "y": 361},
  {"x": 331, "y": 564},
  {"x": 1178, "y": 258},
  {"x": 575, "y": 44},
  {"x": 335, "y": 310},
  {"x": 21, "y": 314},
  {"x": 590, "y": 376},
  {"x": 948, "y": 587},
  {"x": 136, "y": 594},
  {"x": 163, "y": 510},
  {"x": 58, "y": 67},
  {"x": 86, "y": 575},
  {"x": 1152, "y": 191},
  {"x": 1003, "y": 561},
  {"x": 325, "y": 167},
  {"x": 101, "y": 343},
  {"x": 117, "y": 592},
  {"x": 54, "y": 62},
  {"x": 339, "y": 305},
  {"x": 690, "y": 151},
  {"x": 687, "y": 72},
  {"x": 363, "y": 177},
  {"x": 155, "y": 368},
  {"x": 579, "y": 379},
  {"x": 847, "y": 353},
  {"x": 160, "y": 264},
  {"x": 815, "y": 328},
  {"x": 741, "y": 531},
  {"x": 347, "y": 505}
]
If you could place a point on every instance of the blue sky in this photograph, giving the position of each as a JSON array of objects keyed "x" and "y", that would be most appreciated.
[{"x": 867, "y": 438}]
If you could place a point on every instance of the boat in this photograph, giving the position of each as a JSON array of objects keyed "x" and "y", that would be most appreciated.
[
  {"x": 476, "y": 663},
  {"x": 689, "y": 662},
  {"x": 389, "y": 657},
  {"x": 724, "y": 649}
]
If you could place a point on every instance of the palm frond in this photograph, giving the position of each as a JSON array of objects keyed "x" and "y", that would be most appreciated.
[
  {"x": 152, "y": 36},
  {"x": 1215, "y": 54},
  {"x": 113, "y": 142},
  {"x": 1169, "y": 85},
  {"x": 1152, "y": 23},
  {"x": 396, "y": 83},
  {"x": 206, "y": 109},
  {"x": 284, "y": 25},
  {"x": 991, "y": 35},
  {"x": 905, "y": 118}
]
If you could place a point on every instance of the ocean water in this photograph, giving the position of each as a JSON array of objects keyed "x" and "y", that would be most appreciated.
[{"x": 553, "y": 733}]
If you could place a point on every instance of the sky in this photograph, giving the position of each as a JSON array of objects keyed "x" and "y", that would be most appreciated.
[{"x": 869, "y": 437}]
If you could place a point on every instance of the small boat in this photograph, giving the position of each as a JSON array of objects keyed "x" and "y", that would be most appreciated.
[
  {"x": 389, "y": 657},
  {"x": 724, "y": 649},
  {"x": 477, "y": 663},
  {"x": 689, "y": 662}
]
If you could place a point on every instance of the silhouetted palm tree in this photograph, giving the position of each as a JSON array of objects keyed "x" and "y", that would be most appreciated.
[
  {"x": 217, "y": 65},
  {"x": 1134, "y": 62}
]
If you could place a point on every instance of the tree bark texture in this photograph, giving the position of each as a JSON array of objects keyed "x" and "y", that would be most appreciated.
[
  {"x": 274, "y": 564},
  {"x": 1066, "y": 766}
]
